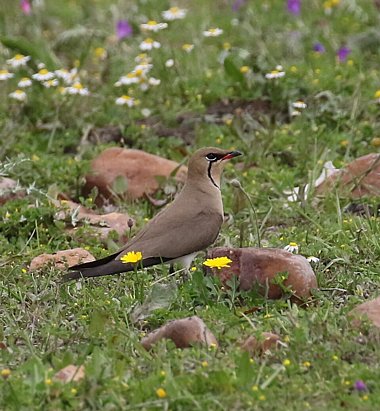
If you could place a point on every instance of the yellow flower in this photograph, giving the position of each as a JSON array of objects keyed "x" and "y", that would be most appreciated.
[
  {"x": 161, "y": 393},
  {"x": 48, "y": 381},
  {"x": 74, "y": 391},
  {"x": 100, "y": 53},
  {"x": 204, "y": 364},
  {"x": 255, "y": 388},
  {"x": 187, "y": 47},
  {"x": 375, "y": 142},
  {"x": 335, "y": 358},
  {"x": 307, "y": 364},
  {"x": 131, "y": 257},
  {"x": 262, "y": 398},
  {"x": 244, "y": 69},
  {"x": 377, "y": 94},
  {"x": 218, "y": 262},
  {"x": 6, "y": 372},
  {"x": 286, "y": 362}
]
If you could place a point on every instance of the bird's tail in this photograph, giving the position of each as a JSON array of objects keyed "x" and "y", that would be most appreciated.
[{"x": 108, "y": 266}]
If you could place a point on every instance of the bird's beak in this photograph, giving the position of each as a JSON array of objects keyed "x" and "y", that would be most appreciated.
[{"x": 231, "y": 154}]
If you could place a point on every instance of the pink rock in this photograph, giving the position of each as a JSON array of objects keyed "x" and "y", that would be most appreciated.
[
  {"x": 140, "y": 170},
  {"x": 9, "y": 191},
  {"x": 259, "y": 267},
  {"x": 184, "y": 333},
  {"x": 70, "y": 373},
  {"x": 359, "y": 178},
  {"x": 255, "y": 345},
  {"x": 102, "y": 224},
  {"x": 369, "y": 310},
  {"x": 61, "y": 259}
]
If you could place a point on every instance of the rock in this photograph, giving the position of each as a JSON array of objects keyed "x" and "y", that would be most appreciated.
[
  {"x": 61, "y": 259},
  {"x": 369, "y": 310},
  {"x": 254, "y": 345},
  {"x": 359, "y": 178},
  {"x": 184, "y": 333},
  {"x": 10, "y": 190},
  {"x": 138, "y": 169},
  {"x": 70, "y": 373},
  {"x": 259, "y": 267},
  {"x": 102, "y": 224}
]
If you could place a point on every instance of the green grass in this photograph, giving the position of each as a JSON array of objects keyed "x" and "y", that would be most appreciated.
[{"x": 46, "y": 325}]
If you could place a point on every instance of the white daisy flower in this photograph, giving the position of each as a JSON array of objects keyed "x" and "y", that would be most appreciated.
[
  {"x": 128, "y": 79},
  {"x": 149, "y": 44},
  {"x": 292, "y": 248},
  {"x": 68, "y": 76},
  {"x": 19, "y": 95},
  {"x": 313, "y": 259},
  {"x": 125, "y": 100},
  {"x": 146, "y": 112},
  {"x": 274, "y": 74},
  {"x": 40, "y": 66},
  {"x": 77, "y": 88},
  {"x": 50, "y": 83},
  {"x": 213, "y": 32},
  {"x": 18, "y": 60},
  {"x": 299, "y": 104},
  {"x": 43, "y": 75},
  {"x": 5, "y": 75},
  {"x": 169, "y": 63},
  {"x": 152, "y": 25},
  {"x": 187, "y": 47},
  {"x": 144, "y": 84},
  {"x": 24, "y": 82},
  {"x": 142, "y": 68},
  {"x": 174, "y": 13},
  {"x": 143, "y": 58},
  {"x": 154, "y": 81}
]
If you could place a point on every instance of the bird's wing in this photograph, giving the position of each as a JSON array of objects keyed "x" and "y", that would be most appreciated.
[{"x": 177, "y": 233}]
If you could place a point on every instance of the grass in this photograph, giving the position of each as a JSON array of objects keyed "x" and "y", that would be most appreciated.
[{"x": 45, "y": 326}]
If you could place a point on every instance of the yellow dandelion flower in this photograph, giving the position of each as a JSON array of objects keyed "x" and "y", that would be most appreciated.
[
  {"x": 6, "y": 372},
  {"x": 306, "y": 364},
  {"x": 161, "y": 393},
  {"x": 100, "y": 53},
  {"x": 286, "y": 362},
  {"x": 218, "y": 262},
  {"x": 131, "y": 257}
]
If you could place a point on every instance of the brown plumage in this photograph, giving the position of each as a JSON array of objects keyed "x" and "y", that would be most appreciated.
[{"x": 186, "y": 226}]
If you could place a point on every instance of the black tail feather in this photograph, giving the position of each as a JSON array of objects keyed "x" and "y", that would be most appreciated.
[{"x": 109, "y": 266}]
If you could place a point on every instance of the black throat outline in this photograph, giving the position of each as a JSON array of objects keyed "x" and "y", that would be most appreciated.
[{"x": 210, "y": 176}]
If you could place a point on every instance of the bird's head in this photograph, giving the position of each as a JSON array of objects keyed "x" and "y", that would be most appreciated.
[{"x": 208, "y": 163}]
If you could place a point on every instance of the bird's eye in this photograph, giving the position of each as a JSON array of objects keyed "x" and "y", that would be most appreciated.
[{"x": 211, "y": 157}]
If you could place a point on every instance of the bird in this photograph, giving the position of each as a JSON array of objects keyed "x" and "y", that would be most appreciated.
[{"x": 185, "y": 227}]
